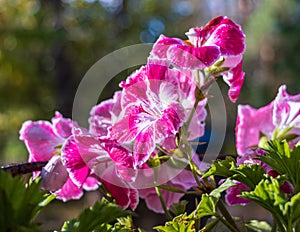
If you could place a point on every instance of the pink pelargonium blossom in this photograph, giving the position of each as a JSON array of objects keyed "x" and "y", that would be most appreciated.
[
  {"x": 232, "y": 194},
  {"x": 44, "y": 141},
  {"x": 107, "y": 161},
  {"x": 151, "y": 113},
  {"x": 281, "y": 114},
  {"x": 220, "y": 39},
  {"x": 183, "y": 81},
  {"x": 104, "y": 115}
]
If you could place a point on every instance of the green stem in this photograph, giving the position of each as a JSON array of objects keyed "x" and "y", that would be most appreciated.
[
  {"x": 226, "y": 223},
  {"x": 162, "y": 201},
  {"x": 226, "y": 214}
]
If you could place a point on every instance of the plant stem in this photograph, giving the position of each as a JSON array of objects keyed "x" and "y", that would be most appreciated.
[
  {"x": 226, "y": 223},
  {"x": 226, "y": 214},
  {"x": 162, "y": 201}
]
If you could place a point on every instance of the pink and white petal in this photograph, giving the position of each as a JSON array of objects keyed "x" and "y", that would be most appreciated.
[
  {"x": 99, "y": 126},
  {"x": 135, "y": 93},
  {"x": 171, "y": 119},
  {"x": 198, "y": 35},
  {"x": 188, "y": 57},
  {"x": 235, "y": 79},
  {"x": 74, "y": 163},
  {"x": 135, "y": 77},
  {"x": 91, "y": 184},
  {"x": 54, "y": 174},
  {"x": 124, "y": 130},
  {"x": 69, "y": 191},
  {"x": 134, "y": 198},
  {"x": 162, "y": 45},
  {"x": 40, "y": 140},
  {"x": 250, "y": 123},
  {"x": 120, "y": 155},
  {"x": 230, "y": 39},
  {"x": 126, "y": 173},
  {"x": 63, "y": 126},
  {"x": 287, "y": 110},
  {"x": 144, "y": 145}
]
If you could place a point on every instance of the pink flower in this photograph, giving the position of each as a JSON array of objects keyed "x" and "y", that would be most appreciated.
[
  {"x": 104, "y": 115},
  {"x": 44, "y": 141},
  {"x": 220, "y": 38},
  {"x": 107, "y": 161},
  {"x": 232, "y": 194},
  {"x": 150, "y": 114},
  {"x": 281, "y": 114}
]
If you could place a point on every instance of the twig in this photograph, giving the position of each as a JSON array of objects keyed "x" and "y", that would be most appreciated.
[{"x": 24, "y": 168}]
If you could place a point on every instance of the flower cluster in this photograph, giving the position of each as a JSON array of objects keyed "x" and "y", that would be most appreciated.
[
  {"x": 146, "y": 124},
  {"x": 279, "y": 120}
]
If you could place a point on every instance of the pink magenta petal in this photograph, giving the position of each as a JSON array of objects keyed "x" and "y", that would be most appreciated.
[
  {"x": 90, "y": 184},
  {"x": 188, "y": 57},
  {"x": 72, "y": 160},
  {"x": 232, "y": 195},
  {"x": 40, "y": 140},
  {"x": 69, "y": 191},
  {"x": 235, "y": 79},
  {"x": 162, "y": 45},
  {"x": 287, "y": 110},
  {"x": 144, "y": 145},
  {"x": 230, "y": 39},
  {"x": 54, "y": 174},
  {"x": 250, "y": 123},
  {"x": 63, "y": 126},
  {"x": 121, "y": 192}
]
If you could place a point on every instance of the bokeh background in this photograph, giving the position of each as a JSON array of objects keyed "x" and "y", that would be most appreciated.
[{"x": 46, "y": 47}]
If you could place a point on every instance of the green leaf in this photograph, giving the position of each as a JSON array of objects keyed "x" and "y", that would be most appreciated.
[
  {"x": 243, "y": 172},
  {"x": 226, "y": 185},
  {"x": 258, "y": 226},
  {"x": 207, "y": 206},
  {"x": 221, "y": 167},
  {"x": 293, "y": 208},
  {"x": 97, "y": 218},
  {"x": 181, "y": 223},
  {"x": 268, "y": 195},
  {"x": 178, "y": 208},
  {"x": 19, "y": 203},
  {"x": 227, "y": 168},
  {"x": 286, "y": 162}
]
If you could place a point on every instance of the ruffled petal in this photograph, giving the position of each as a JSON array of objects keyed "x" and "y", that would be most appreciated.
[
  {"x": 235, "y": 79},
  {"x": 188, "y": 57},
  {"x": 287, "y": 110},
  {"x": 72, "y": 160},
  {"x": 232, "y": 194},
  {"x": 162, "y": 45},
  {"x": 250, "y": 123},
  {"x": 40, "y": 140},
  {"x": 90, "y": 184},
  {"x": 69, "y": 191},
  {"x": 230, "y": 39},
  {"x": 63, "y": 126}
]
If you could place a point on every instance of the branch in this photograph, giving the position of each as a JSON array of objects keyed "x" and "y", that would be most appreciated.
[{"x": 24, "y": 168}]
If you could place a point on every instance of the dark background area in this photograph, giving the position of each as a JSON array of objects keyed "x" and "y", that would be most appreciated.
[{"x": 47, "y": 46}]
